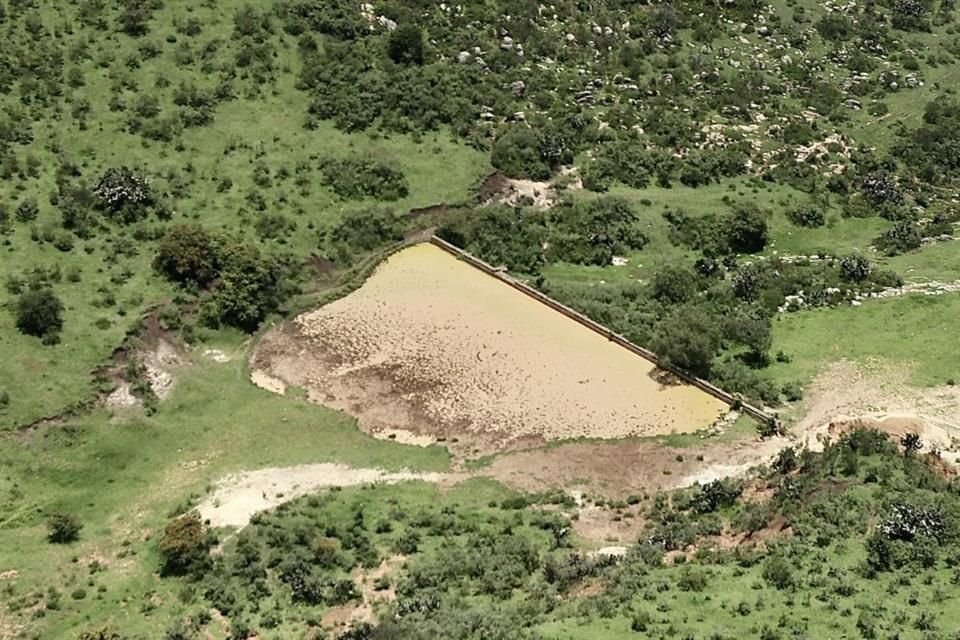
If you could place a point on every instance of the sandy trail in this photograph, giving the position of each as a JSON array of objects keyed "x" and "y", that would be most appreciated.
[
  {"x": 238, "y": 497},
  {"x": 611, "y": 469}
]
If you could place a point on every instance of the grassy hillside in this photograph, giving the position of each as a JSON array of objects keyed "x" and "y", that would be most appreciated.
[{"x": 729, "y": 184}]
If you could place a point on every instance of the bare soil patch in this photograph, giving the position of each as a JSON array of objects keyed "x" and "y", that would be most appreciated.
[
  {"x": 435, "y": 347},
  {"x": 620, "y": 468},
  {"x": 238, "y": 497},
  {"x": 846, "y": 396},
  {"x": 499, "y": 189}
]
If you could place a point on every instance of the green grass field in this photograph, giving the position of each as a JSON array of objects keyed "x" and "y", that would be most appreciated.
[
  {"x": 122, "y": 477},
  {"x": 911, "y": 332}
]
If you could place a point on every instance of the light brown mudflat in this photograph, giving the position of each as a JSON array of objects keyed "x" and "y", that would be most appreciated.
[{"x": 435, "y": 347}]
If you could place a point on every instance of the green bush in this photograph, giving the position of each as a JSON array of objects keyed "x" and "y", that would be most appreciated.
[
  {"x": 63, "y": 528},
  {"x": 405, "y": 44},
  {"x": 809, "y": 216},
  {"x": 39, "y": 312},
  {"x": 185, "y": 546},
  {"x": 188, "y": 253},
  {"x": 356, "y": 178}
]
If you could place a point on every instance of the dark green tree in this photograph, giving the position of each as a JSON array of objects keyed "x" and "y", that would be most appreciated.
[
  {"x": 185, "y": 546},
  {"x": 405, "y": 44},
  {"x": 249, "y": 286},
  {"x": 687, "y": 339},
  {"x": 63, "y": 528},
  {"x": 188, "y": 253},
  {"x": 747, "y": 229},
  {"x": 40, "y": 313},
  {"x": 674, "y": 284}
]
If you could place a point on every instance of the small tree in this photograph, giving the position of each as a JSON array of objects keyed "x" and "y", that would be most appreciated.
[
  {"x": 809, "y": 216},
  {"x": 687, "y": 339},
  {"x": 188, "y": 253},
  {"x": 786, "y": 461},
  {"x": 674, "y": 284},
  {"x": 405, "y": 45},
  {"x": 778, "y": 573},
  {"x": 185, "y": 545},
  {"x": 101, "y": 633},
  {"x": 63, "y": 528},
  {"x": 27, "y": 210},
  {"x": 747, "y": 229},
  {"x": 40, "y": 313},
  {"x": 123, "y": 194},
  {"x": 911, "y": 443},
  {"x": 855, "y": 268},
  {"x": 250, "y": 287}
]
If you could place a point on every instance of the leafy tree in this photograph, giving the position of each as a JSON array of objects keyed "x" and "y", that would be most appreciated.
[
  {"x": 855, "y": 268},
  {"x": 786, "y": 461},
  {"x": 778, "y": 573},
  {"x": 517, "y": 152},
  {"x": 751, "y": 328},
  {"x": 687, "y": 339},
  {"x": 188, "y": 253},
  {"x": 63, "y": 528},
  {"x": 185, "y": 546},
  {"x": 902, "y": 237},
  {"x": 747, "y": 229},
  {"x": 134, "y": 16},
  {"x": 360, "y": 231},
  {"x": 249, "y": 286},
  {"x": 27, "y": 210},
  {"x": 809, "y": 216},
  {"x": 593, "y": 233},
  {"x": 123, "y": 194},
  {"x": 356, "y": 178},
  {"x": 911, "y": 443},
  {"x": 40, "y": 313},
  {"x": 405, "y": 44},
  {"x": 715, "y": 495},
  {"x": 881, "y": 188},
  {"x": 674, "y": 284}
]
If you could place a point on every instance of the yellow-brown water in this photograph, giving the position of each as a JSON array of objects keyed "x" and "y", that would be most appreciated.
[{"x": 434, "y": 346}]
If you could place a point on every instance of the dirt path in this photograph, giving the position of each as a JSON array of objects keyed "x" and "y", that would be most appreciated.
[
  {"x": 238, "y": 497},
  {"x": 611, "y": 470}
]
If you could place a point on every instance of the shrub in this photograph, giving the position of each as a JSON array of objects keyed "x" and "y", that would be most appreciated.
[
  {"x": 27, "y": 211},
  {"x": 405, "y": 44},
  {"x": 250, "y": 287},
  {"x": 687, "y": 339},
  {"x": 123, "y": 194},
  {"x": 747, "y": 229},
  {"x": 808, "y": 216},
  {"x": 716, "y": 495},
  {"x": 692, "y": 579},
  {"x": 855, "y": 268},
  {"x": 778, "y": 573},
  {"x": 40, "y": 313},
  {"x": 356, "y": 178},
  {"x": 674, "y": 284},
  {"x": 516, "y": 152},
  {"x": 188, "y": 253},
  {"x": 185, "y": 546},
  {"x": 786, "y": 461},
  {"x": 902, "y": 237},
  {"x": 63, "y": 528},
  {"x": 101, "y": 633}
]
